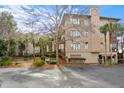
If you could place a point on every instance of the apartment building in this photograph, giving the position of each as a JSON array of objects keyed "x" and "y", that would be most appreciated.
[{"x": 82, "y": 37}]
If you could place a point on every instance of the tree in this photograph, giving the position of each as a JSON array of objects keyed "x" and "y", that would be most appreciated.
[
  {"x": 23, "y": 40},
  {"x": 21, "y": 48},
  {"x": 120, "y": 34},
  {"x": 104, "y": 30},
  {"x": 50, "y": 20},
  {"x": 3, "y": 47},
  {"x": 111, "y": 28},
  {"x": 31, "y": 22},
  {"x": 43, "y": 42},
  {"x": 8, "y": 28}
]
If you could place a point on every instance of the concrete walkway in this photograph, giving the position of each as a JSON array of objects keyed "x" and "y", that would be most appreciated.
[{"x": 71, "y": 76}]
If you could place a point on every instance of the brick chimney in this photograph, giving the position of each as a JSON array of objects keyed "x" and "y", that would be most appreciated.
[
  {"x": 94, "y": 13},
  {"x": 95, "y": 32}
]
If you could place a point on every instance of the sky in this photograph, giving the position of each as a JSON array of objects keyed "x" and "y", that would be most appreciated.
[{"x": 115, "y": 11}]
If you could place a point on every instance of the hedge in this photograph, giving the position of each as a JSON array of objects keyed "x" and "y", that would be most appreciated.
[{"x": 76, "y": 59}]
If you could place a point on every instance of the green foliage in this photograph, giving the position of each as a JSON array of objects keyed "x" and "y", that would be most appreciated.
[
  {"x": 109, "y": 27},
  {"x": 50, "y": 54},
  {"x": 3, "y": 47},
  {"x": 7, "y": 24},
  {"x": 39, "y": 62},
  {"x": 52, "y": 61},
  {"x": 3, "y": 58},
  {"x": 107, "y": 62},
  {"x": 21, "y": 48},
  {"x": 5, "y": 61},
  {"x": 12, "y": 51},
  {"x": 37, "y": 54},
  {"x": 42, "y": 58},
  {"x": 7, "y": 32},
  {"x": 76, "y": 59}
]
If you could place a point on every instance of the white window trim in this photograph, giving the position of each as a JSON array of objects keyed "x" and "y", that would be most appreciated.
[
  {"x": 75, "y": 21},
  {"x": 75, "y": 33},
  {"x": 76, "y": 46}
]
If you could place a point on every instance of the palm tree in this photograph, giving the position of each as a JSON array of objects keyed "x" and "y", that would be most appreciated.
[
  {"x": 110, "y": 27},
  {"x": 104, "y": 30}
]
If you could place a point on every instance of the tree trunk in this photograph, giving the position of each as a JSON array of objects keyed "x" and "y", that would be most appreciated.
[
  {"x": 41, "y": 51},
  {"x": 117, "y": 46},
  {"x": 111, "y": 46},
  {"x": 105, "y": 49},
  {"x": 42, "y": 48},
  {"x": 122, "y": 42},
  {"x": 33, "y": 42},
  {"x": 8, "y": 47},
  {"x": 57, "y": 51}
]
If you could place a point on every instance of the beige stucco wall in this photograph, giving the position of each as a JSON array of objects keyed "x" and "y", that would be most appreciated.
[{"x": 90, "y": 57}]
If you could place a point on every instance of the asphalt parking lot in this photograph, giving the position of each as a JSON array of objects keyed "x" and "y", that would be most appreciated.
[{"x": 89, "y": 76}]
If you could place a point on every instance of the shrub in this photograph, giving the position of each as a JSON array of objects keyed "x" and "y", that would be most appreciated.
[
  {"x": 4, "y": 58},
  {"x": 39, "y": 63},
  {"x": 5, "y": 61},
  {"x": 37, "y": 54},
  {"x": 25, "y": 56},
  {"x": 37, "y": 58},
  {"x": 76, "y": 59},
  {"x": 50, "y": 54},
  {"x": 42, "y": 58},
  {"x": 46, "y": 54},
  {"x": 107, "y": 62},
  {"x": 52, "y": 61},
  {"x": 3, "y": 48}
]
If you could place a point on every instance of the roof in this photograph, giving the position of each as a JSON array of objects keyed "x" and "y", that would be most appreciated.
[{"x": 117, "y": 19}]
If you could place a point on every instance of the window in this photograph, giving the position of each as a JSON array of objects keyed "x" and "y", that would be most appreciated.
[
  {"x": 86, "y": 45},
  {"x": 75, "y": 21},
  {"x": 75, "y": 33},
  {"x": 75, "y": 46},
  {"x": 102, "y": 45},
  {"x": 85, "y": 33}
]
